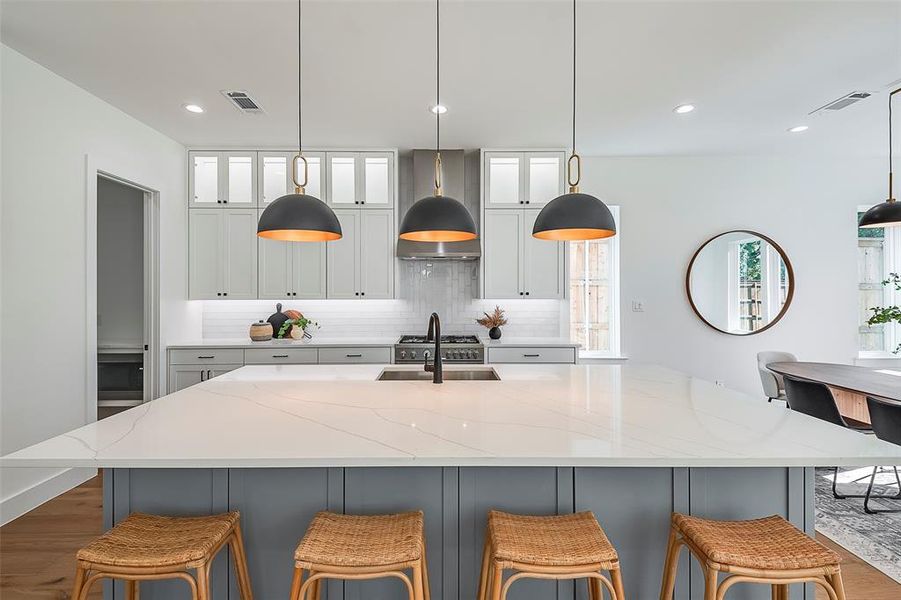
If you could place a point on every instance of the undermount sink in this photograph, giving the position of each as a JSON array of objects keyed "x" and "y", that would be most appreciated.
[{"x": 449, "y": 375}]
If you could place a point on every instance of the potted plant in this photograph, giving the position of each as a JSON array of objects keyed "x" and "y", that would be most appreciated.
[
  {"x": 493, "y": 322},
  {"x": 297, "y": 328},
  {"x": 888, "y": 314}
]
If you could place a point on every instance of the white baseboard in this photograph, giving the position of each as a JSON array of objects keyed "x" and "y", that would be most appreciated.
[{"x": 30, "y": 498}]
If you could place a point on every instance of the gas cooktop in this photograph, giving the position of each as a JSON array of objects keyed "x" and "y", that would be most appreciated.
[
  {"x": 445, "y": 339},
  {"x": 454, "y": 348}
]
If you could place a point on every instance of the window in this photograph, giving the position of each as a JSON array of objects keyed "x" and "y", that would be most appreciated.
[
  {"x": 878, "y": 256},
  {"x": 594, "y": 294},
  {"x": 758, "y": 284}
]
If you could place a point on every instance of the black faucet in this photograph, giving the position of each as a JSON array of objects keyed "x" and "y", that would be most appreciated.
[{"x": 434, "y": 333}]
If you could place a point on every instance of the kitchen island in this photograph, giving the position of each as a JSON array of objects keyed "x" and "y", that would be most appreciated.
[{"x": 631, "y": 443}]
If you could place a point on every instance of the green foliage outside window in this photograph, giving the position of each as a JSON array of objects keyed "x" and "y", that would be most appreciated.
[{"x": 888, "y": 314}]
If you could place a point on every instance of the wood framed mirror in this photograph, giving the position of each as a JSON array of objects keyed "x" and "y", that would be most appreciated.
[{"x": 740, "y": 282}]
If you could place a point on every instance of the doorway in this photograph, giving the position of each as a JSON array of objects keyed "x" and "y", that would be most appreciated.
[{"x": 125, "y": 297}]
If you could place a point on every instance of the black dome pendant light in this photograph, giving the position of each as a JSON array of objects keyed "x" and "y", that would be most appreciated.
[
  {"x": 438, "y": 218},
  {"x": 574, "y": 216},
  {"x": 298, "y": 217},
  {"x": 888, "y": 213}
]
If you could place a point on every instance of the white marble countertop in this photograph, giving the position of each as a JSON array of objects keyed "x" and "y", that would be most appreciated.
[
  {"x": 316, "y": 342},
  {"x": 560, "y": 415},
  {"x": 531, "y": 342}
]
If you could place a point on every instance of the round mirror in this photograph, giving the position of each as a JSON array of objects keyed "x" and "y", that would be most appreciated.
[{"x": 740, "y": 282}]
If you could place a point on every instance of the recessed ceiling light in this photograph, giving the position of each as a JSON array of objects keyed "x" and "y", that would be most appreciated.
[
  {"x": 798, "y": 128},
  {"x": 684, "y": 108},
  {"x": 438, "y": 109},
  {"x": 194, "y": 108}
]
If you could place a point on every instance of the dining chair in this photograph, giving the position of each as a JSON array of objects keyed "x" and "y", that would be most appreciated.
[
  {"x": 816, "y": 400},
  {"x": 773, "y": 384},
  {"x": 886, "y": 419}
]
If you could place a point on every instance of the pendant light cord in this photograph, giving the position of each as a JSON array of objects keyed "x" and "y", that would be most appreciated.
[
  {"x": 891, "y": 196},
  {"x": 437, "y": 76},
  {"x": 299, "y": 88},
  {"x": 574, "y": 77}
]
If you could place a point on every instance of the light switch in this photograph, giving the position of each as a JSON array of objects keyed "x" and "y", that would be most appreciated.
[{"x": 638, "y": 306}]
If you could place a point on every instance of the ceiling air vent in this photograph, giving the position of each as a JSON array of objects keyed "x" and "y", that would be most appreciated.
[
  {"x": 844, "y": 101},
  {"x": 243, "y": 102}
]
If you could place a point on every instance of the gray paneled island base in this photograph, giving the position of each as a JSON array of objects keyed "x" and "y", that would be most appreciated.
[{"x": 630, "y": 443}]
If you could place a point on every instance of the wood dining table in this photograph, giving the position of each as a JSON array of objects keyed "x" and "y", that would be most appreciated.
[{"x": 850, "y": 384}]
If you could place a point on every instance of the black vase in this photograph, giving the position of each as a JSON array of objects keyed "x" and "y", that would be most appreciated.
[{"x": 494, "y": 333}]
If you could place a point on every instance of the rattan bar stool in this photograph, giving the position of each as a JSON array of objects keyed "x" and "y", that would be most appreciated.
[
  {"x": 769, "y": 550},
  {"x": 547, "y": 547},
  {"x": 337, "y": 546},
  {"x": 143, "y": 547}
]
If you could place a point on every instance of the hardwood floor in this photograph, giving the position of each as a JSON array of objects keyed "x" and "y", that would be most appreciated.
[{"x": 37, "y": 552}]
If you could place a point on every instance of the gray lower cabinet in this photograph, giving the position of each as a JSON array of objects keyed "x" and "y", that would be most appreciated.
[
  {"x": 529, "y": 354},
  {"x": 189, "y": 366},
  {"x": 350, "y": 355},
  {"x": 632, "y": 504},
  {"x": 283, "y": 356},
  {"x": 182, "y": 376}
]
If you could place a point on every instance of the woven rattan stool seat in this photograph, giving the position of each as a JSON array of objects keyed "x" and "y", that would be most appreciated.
[
  {"x": 362, "y": 540},
  {"x": 770, "y": 543},
  {"x": 142, "y": 540},
  {"x": 550, "y": 541}
]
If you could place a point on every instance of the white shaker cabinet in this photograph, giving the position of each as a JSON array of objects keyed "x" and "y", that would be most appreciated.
[
  {"x": 516, "y": 264},
  {"x": 502, "y": 233},
  {"x": 275, "y": 175},
  {"x": 361, "y": 263},
  {"x": 223, "y": 254},
  {"x": 222, "y": 179},
  {"x": 360, "y": 179},
  {"x": 542, "y": 263},
  {"x": 291, "y": 269},
  {"x": 515, "y": 187},
  {"x": 519, "y": 179}
]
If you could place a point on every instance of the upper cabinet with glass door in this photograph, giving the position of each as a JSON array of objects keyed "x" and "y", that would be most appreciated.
[
  {"x": 517, "y": 179},
  {"x": 220, "y": 179},
  {"x": 360, "y": 179},
  {"x": 275, "y": 169}
]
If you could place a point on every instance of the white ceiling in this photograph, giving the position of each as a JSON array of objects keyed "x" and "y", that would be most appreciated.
[{"x": 753, "y": 69}]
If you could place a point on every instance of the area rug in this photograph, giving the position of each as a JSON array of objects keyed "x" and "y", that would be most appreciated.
[{"x": 874, "y": 538}]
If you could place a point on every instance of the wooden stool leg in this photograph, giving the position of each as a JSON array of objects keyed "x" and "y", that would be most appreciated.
[
  {"x": 426, "y": 590},
  {"x": 780, "y": 591},
  {"x": 79, "y": 583},
  {"x": 594, "y": 589},
  {"x": 417, "y": 581},
  {"x": 315, "y": 588},
  {"x": 497, "y": 578},
  {"x": 240, "y": 560},
  {"x": 837, "y": 586},
  {"x": 670, "y": 566},
  {"x": 296, "y": 583},
  {"x": 486, "y": 567},
  {"x": 203, "y": 582},
  {"x": 131, "y": 589},
  {"x": 616, "y": 577},
  {"x": 710, "y": 581}
]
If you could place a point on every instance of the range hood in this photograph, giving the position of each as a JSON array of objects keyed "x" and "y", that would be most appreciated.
[{"x": 452, "y": 180}]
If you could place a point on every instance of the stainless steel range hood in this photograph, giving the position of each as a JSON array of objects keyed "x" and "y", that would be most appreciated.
[{"x": 453, "y": 182}]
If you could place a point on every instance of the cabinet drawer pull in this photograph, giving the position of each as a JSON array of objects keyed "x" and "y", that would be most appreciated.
[
  {"x": 531, "y": 355},
  {"x": 354, "y": 355},
  {"x": 201, "y": 376},
  {"x": 279, "y": 356},
  {"x": 210, "y": 356}
]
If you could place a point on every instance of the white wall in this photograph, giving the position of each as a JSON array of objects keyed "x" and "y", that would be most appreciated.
[
  {"x": 672, "y": 205},
  {"x": 48, "y": 127}
]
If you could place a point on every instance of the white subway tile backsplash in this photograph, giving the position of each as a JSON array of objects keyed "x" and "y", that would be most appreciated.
[{"x": 448, "y": 288}]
